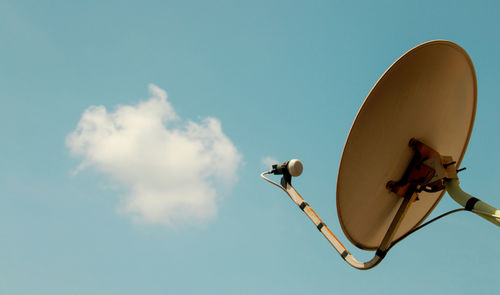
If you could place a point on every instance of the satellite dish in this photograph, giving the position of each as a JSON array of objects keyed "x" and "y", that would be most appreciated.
[
  {"x": 429, "y": 94},
  {"x": 402, "y": 152}
]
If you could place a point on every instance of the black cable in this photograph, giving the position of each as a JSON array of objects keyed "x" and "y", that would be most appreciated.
[{"x": 423, "y": 225}]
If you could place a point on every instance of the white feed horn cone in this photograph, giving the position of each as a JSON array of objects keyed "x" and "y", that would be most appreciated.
[{"x": 295, "y": 167}]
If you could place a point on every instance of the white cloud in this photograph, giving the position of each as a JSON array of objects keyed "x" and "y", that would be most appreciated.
[
  {"x": 269, "y": 161},
  {"x": 172, "y": 170}
]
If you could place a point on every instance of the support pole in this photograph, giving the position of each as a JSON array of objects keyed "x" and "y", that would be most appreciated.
[{"x": 471, "y": 203}]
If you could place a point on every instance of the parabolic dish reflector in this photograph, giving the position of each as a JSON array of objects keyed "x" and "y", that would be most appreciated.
[{"x": 429, "y": 94}]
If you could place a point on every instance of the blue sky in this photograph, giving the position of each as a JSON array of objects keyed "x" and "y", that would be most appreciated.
[{"x": 285, "y": 80}]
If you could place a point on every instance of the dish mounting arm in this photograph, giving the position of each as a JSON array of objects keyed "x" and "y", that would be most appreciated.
[{"x": 328, "y": 234}]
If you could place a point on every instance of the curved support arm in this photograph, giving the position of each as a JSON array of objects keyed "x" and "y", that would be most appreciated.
[
  {"x": 471, "y": 203},
  {"x": 327, "y": 233}
]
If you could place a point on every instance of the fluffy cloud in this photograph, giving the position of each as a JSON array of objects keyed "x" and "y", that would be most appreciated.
[{"x": 171, "y": 169}]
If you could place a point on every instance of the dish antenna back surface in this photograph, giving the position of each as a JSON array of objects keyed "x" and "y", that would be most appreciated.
[
  {"x": 429, "y": 94},
  {"x": 402, "y": 152}
]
